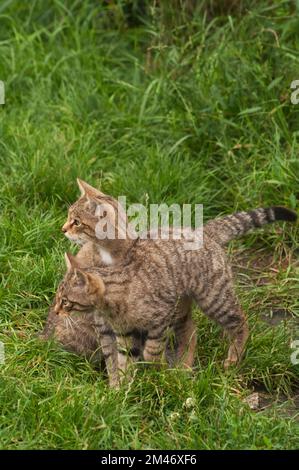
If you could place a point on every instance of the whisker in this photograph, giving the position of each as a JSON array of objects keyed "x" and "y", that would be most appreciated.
[{"x": 69, "y": 324}]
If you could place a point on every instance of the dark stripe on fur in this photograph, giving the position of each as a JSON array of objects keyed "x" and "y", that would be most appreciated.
[{"x": 225, "y": 229}]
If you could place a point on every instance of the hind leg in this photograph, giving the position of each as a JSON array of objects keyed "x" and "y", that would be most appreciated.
[
  {"x": 221, "y": 305},
  {"x": 235, "y": 325},
  {"x": 186, "y": 339},
  {"x": 238, "y": 336}
]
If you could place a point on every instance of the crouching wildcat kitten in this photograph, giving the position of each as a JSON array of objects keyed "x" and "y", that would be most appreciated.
[{"x": 80, "y": 335}]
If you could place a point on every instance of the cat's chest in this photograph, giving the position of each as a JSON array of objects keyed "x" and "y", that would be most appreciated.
[{"x": 105, "y": 256}]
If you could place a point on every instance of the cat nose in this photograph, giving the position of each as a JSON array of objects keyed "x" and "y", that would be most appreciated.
[
  {"x": 65, "y": 228},
  {"x": 56, "y": 310}
]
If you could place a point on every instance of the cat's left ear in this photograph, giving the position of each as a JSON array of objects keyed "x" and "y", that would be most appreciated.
[
  {"x": 80, "y": 279},
  {"x": 95, "y": 285}
]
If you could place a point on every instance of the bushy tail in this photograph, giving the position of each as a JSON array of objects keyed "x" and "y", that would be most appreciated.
[{"x": 225, "y": 229}]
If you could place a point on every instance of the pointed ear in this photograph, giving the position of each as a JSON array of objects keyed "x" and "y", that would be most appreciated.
[
  {"x": 80, "y": 277},
  {"x": 82, "y": 186},
  {"x": 87, "y": 190},
  {"x": 70, "y": 261},
  {"x": 95, "y": 285}
]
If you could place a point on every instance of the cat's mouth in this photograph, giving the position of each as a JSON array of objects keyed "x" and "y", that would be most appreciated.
[
  {"x": 76, "y": 240},
  {"x": 63, "y": 314}
]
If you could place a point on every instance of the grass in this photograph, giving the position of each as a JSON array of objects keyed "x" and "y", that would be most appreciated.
[{"x": 198, "y": 112}]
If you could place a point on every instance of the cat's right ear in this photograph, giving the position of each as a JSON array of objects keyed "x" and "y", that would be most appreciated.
[
  {"x": 88, "y": 190},
  {"x": 82, "y": 186},
  {"x": 70, "y": 261}
]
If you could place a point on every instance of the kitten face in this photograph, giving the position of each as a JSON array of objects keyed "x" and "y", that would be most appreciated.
[
  {"x": 79, "y": 291},
  {"x": 73, "y": 296},
  {"x": 81, "y": 222},
  {"x": 94, "y": 211}
]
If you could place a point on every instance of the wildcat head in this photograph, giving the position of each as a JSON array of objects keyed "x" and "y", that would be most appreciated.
[
  {"x": 80, "y": 291},
  {"x": 95, "y": 217}
]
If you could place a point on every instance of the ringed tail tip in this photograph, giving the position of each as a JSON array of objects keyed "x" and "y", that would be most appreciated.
[{"x": 283, "y": 213}]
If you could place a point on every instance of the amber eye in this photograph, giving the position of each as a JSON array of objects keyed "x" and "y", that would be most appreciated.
[
  {"x": 76, "y": 222},
  {"x": 65, "y": 303}
]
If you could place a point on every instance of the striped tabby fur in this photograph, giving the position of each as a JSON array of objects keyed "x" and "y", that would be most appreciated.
[
  {"x": 140, "y": 297},
  {"x": 221, "y": 230},
  {"x": 225, "y": 229}
]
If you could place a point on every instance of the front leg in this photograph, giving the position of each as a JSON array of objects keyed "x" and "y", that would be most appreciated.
[
  {"x": 109, "y": 349},
  {"x": 125, "y": 355},
  {"x": 154, "y": 348},
  {"x": 173, "y": 349}
]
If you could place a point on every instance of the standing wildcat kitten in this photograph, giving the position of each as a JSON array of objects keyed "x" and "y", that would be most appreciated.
[
  {"x": 80, "y": 228},
  {"x": 142, "y": 294}
]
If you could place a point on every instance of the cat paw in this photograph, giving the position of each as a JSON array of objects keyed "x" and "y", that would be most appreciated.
[{"x": 228, "y": 363}]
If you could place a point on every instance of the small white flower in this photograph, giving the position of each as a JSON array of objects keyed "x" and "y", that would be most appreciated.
[
  {"x": 189, "y": 403},
  {"x": 192, "y": 416},
  {"x": 173, "y": 416}
]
